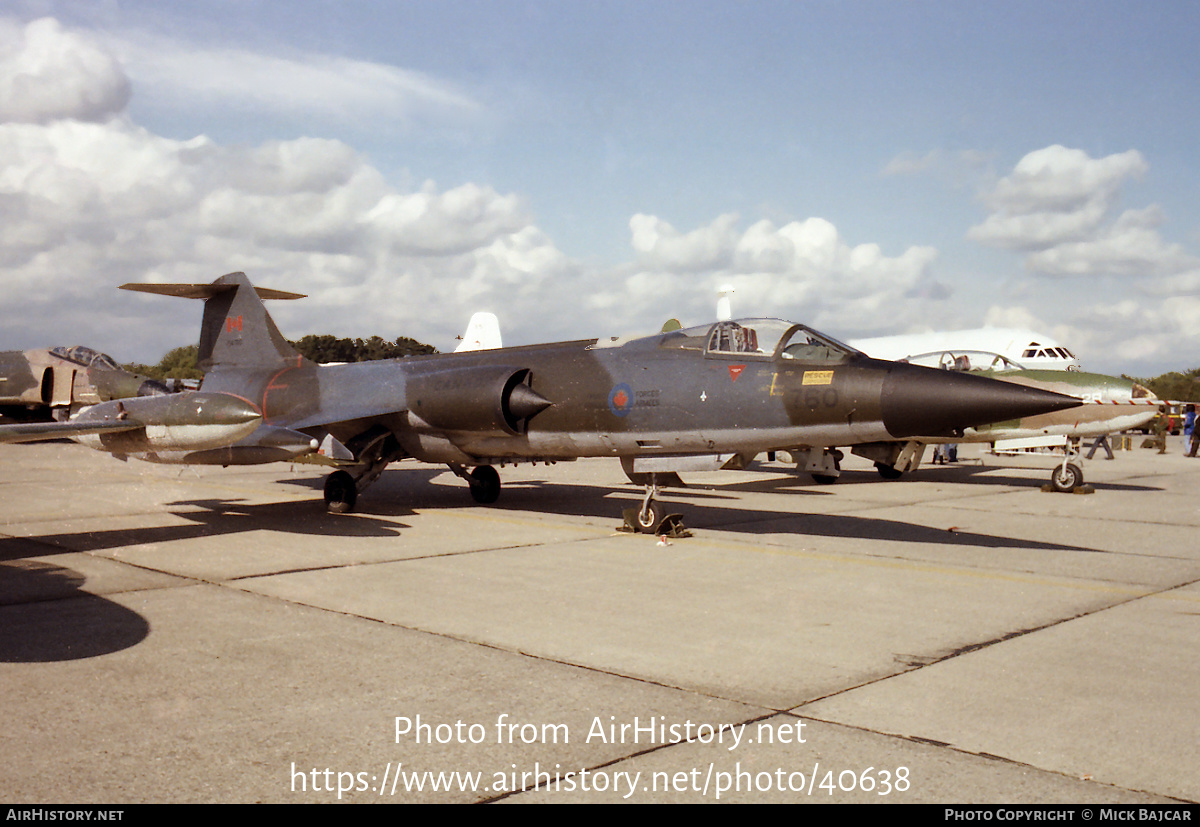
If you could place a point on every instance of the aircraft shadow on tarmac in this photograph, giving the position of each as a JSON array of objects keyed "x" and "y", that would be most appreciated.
[
  {"x": 47, "y": 618},
  {"x": 958, "y": 473},
  {"x": 208, "y": 518},
  {"x": 396, "y": 500},
  {"x": 718, "y": 508}
]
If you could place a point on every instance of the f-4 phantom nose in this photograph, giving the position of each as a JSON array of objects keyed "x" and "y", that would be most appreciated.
[{"x": 918, "y": 401}]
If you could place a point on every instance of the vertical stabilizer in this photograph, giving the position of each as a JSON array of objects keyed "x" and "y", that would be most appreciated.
[
  {"x": 483, "y": 333},
  {"x": 237, "y": 331}
]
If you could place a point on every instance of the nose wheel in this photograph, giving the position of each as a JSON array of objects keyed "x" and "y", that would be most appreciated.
[
  {"x": 649, "y": 517},
  {"x": 652, "y": 517},
  {"x": 1067, "y": 477}
]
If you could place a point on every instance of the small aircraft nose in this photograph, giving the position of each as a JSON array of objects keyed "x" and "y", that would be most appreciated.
[{"x": 919, "y": 401}]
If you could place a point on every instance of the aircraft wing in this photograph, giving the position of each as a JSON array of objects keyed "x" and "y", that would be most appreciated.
[
  {"x": 34, "y": 431},
  {"x": 354, "y": 411}
]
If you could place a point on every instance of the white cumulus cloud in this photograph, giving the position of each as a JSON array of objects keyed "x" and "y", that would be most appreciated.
[
  {"x": 1058, "y": 207},
  {"x": 88, "y": 206},
  {"x": 660, "y": 245},
  {"x": 803, "y": 270},
  {"x": 1053, "y": 196},
  {"x": 48, "y": 74},
  {"x": 91, "y": 201}
]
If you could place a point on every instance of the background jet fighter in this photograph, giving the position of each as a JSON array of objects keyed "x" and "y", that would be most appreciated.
[
  {"x": 49, "y": 384},
  {"x": 1114, "y": 402},
  {"x": 1111, "y": 404},
  {"x": 712, "y": 395},
  {"x": 1031, "y": 349}
]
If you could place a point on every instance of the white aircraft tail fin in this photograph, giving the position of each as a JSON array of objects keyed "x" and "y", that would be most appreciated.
[
  {"x": 725, "y": 303},
  {"x": 483, "y": 333}
]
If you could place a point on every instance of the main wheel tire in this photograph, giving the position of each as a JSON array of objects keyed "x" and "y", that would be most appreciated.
[
  {"x": 341, "y": 493},
  {"x": 888, "y": 472},
  {"x": 650, "y": 519},
  {"x": 1067, "y": 478},
  {"x": 485, "y": 485}
]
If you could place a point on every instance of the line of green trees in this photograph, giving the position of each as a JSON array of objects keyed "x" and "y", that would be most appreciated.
[
  {"x": 325, "y": 349},
  {"x": 180, "y": 363}
]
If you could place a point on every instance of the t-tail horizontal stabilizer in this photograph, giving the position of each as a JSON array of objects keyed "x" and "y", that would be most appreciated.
[{"x": 237, "y": 331}]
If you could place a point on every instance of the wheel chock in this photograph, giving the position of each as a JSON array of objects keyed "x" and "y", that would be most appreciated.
[
  {"x": 1079, "y": 489},
  {"x": 671, "y": 525}
]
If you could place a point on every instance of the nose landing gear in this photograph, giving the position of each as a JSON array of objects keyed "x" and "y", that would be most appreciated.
[{"x": 652, "y": 517}]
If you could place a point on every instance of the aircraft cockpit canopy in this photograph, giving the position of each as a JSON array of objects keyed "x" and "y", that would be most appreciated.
[
  {"x": 83, "y": 355},
  {"x": 1036, "y": 351},
  {"x": 760, "y": 337},
  {"x": 963, "y": 360}
]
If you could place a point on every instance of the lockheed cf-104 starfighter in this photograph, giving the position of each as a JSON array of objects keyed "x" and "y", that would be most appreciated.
[{"x": 698, "y": 398}]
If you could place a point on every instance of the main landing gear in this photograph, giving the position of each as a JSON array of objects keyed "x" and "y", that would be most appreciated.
[
  {"x": 341, "y": 487},
  {"x": 888, "y": 472},
  {"x": 483, "y": 482},
  {"x": 373, "y": 450},
  {"x": 341, "y": 493}
]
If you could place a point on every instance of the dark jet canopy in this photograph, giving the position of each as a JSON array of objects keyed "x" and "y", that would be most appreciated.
[
  {"x": 84, "y": 355},
  {"x": 766, "y": 338}
]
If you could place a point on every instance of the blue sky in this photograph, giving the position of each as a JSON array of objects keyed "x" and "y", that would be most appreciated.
[{"x": 595, "y": 167}]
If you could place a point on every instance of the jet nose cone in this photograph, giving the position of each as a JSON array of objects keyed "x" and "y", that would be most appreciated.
[{"x": 919, "y": 401}]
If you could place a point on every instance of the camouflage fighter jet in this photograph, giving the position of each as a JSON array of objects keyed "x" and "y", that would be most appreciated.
[
  {"x": 50, "y": 384},
  {"x": 1031, "y": 349},
  {"x": 1112, "y": 404},
  {"x": 691, "y": 399}
]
